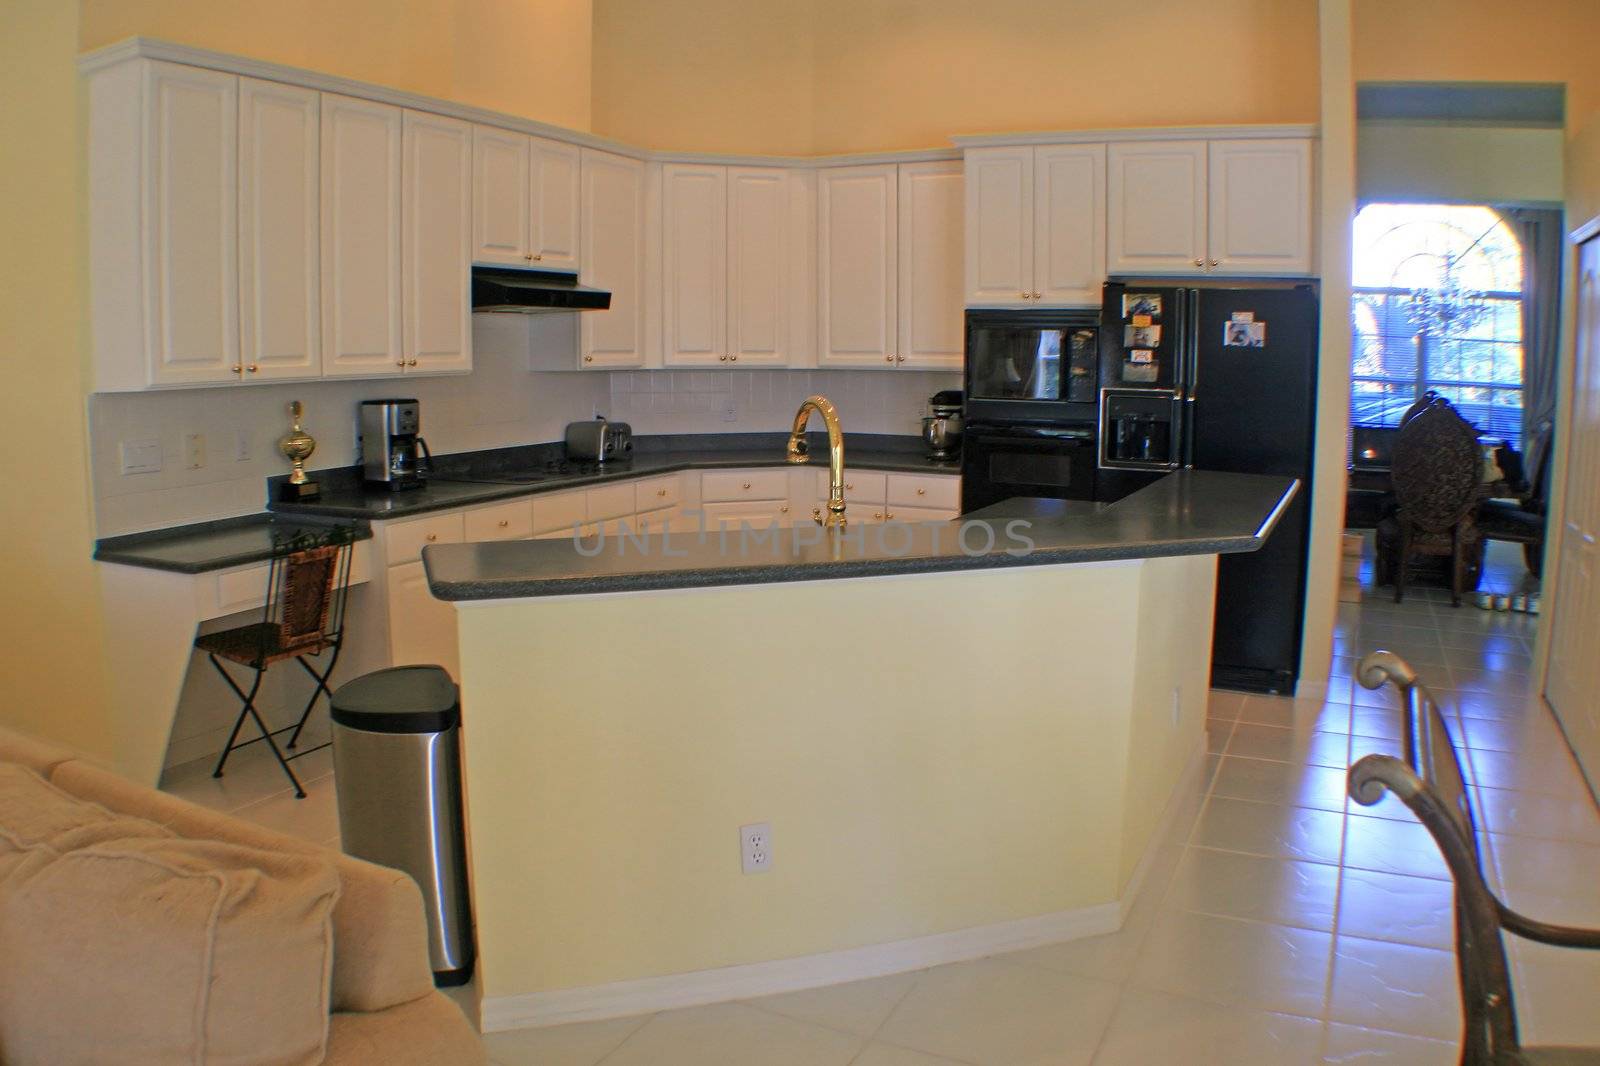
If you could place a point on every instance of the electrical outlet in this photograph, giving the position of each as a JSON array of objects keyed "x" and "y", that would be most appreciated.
[
  {"x": 241, "y": 446},
  {"x": 194, "y": 451},
  {"x": 141, "y": 456},
  {"x": 755, "y": 847}
]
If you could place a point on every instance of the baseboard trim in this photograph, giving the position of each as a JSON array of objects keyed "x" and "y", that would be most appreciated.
[{"x": 650, "y": 994}]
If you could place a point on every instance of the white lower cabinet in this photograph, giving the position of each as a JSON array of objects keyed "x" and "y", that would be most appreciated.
[{"x": 422, "y": 629}]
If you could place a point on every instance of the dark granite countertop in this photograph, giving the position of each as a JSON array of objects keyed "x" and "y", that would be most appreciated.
[
  {"x": 1186, "y": 513},
  {"x": 484, "y": 477},
  {"x": 203, "y": 546}
]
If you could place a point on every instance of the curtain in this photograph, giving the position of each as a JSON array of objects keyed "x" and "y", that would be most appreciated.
[{"x": 1543, "y": 243}]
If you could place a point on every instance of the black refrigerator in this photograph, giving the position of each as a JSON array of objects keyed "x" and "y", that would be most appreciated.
[{"x": 1220, "y": 377}]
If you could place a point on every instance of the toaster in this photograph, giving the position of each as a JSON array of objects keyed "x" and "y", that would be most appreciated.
[{"x": 599, "y": 440}]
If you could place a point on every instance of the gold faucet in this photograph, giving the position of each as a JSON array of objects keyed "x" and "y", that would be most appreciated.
[{"x": 798, "y": 452}]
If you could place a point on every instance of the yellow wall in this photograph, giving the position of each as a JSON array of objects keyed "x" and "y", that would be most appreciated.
[
  {"x": 823, "y": 76},
  {"x": 527, "y": 58},
  {"x": 51, "y": 668},
  {"x": 1482, "y": 40}
]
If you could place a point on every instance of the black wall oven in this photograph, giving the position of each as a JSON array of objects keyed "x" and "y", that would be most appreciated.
[
  {"x": 999, "y": 462},
  {"x": 1033, "y": 366}
]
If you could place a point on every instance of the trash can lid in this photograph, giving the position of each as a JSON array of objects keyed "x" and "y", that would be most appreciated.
[{"x": 400, "y": 699}]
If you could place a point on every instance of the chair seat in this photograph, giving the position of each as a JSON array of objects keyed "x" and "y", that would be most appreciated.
[
  {"x": 1561, "y": 1056},
  {"x": 258, "y": 645}
]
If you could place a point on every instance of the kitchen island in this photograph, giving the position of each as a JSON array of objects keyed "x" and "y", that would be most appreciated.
[{"x": 965, "y": 738}]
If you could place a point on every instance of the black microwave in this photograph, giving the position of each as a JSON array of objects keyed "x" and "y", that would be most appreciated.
[{"x": 1033, "y": 366}]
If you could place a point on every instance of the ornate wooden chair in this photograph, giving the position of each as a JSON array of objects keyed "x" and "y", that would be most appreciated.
[
  {"x": 308, "y": 582},
  {"x": 1437, "y": 468},
  {"x": 1429, "y": 781}
]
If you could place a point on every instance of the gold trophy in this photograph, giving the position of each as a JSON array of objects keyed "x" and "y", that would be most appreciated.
[{"x": 297, "y": 446}]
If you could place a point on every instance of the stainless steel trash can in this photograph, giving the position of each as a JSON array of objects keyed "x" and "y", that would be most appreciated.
[{"x": 397, "y": 771}]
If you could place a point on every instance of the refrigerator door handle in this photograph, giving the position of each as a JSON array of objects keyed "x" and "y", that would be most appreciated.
[{"x": 1191, "y": 393}]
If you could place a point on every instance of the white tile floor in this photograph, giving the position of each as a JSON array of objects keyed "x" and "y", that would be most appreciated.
[{"x": 1284, "y": 924}]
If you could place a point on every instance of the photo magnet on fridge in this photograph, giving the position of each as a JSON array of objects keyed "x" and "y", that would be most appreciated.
[
  {"x": 1141, "y": 336},
  {"x": 1244, "y": 334},
  {"x": 1141, "y": 303}
]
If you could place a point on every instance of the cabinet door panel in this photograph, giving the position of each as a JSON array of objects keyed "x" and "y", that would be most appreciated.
[
  {"x": 1156, "y": 207},
  {"x": 857, "y": 253},
  {"x": 758, "y": 266},
  {"x": 500, "y": 197},
  {"x": 436, "y": 243},
  {"x": 613, "y": 259},
  {"x": 191, "y": 211},
  {"x": 999, "y": 226},
  {"x": 1069, "y": 211},
  {"x": 279, "y": 321},
  {"x": 422, "y": 629},
  {"x": 931, "y": 331},
  {"x": 554, "y": 174},
  {"x": 361, "y": 319},
  {"x": 694, "y": 249},
  {"x": 1260, "y": 217}
]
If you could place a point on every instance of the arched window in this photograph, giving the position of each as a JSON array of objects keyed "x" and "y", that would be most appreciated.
[{"x": 1438, "y": 305}]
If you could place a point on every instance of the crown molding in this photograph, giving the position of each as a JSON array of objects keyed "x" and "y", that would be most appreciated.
[{"x": 1137, "y": 133}]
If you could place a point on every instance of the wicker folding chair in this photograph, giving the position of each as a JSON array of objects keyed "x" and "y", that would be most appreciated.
[
  {"x": 308, "y": 582},
  {"x": 1429, "y": 781}
]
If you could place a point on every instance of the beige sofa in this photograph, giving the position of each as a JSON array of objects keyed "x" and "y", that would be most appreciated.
[{"x": 384, "y": 1006}]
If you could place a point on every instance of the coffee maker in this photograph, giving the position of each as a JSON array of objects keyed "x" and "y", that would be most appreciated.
[{"x": 392, "y": 454}]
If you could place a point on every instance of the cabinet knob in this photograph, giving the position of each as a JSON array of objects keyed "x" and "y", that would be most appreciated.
[
  {"x": 663, "y": 492},
  {"x": 504, "y": 522},
  {"x": 849, "y": 486},
  {"x": 1199, "y": 262},
  {"x": 899, "y": 358},
  {"x": 1215, "y": 263},
  {"x": 877, "y": 514},
  {"x": 747, "y": 486},
  {"x": 411, "y": 362},
  {"x": 723, "y": 358},
  {"x": 734, "y": 358},
  {"x": 400, "y": 362},
  {"x": 888, "y": 359},
  {"x": 528, "y": 256},
  {"x": 783, "y": 509},
  {"x": 252, "y": 368},
  {"x": 237, "y": 369},
  {"x": 1035, "y": 296},
  {"x": 1022, "y": 296},
  {"x": 538, "y": 258},
  {"x": 888, "y": 516},
  {"x": 432, "y": 537},
  {"x": 588, "y": 359},
  {"x": 922, "y": 492}
]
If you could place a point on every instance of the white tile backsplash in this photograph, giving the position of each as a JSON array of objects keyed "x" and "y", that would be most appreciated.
[
  {"x": 499, "y": 404},
  {"x": 698, "y": 401}
]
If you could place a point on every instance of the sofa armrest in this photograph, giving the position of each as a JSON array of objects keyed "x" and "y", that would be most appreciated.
[{"x": 380, "y": 932}]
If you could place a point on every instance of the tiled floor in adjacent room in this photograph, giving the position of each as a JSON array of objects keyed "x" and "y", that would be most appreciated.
[{"x": 1282, "y": 925}]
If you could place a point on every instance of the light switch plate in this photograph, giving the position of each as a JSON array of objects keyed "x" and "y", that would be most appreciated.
[{"x": 141, "y": 456}]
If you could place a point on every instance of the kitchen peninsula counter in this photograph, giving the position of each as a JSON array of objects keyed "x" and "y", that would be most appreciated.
[
  {"x": 961, "y": 755},
  {"x": 1186, "y": 513}
]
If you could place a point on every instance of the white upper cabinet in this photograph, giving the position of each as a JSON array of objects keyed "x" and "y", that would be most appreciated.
[
  {"x": 1156, "y": 207},
  {"x": 361, "y": 274},
  {"x": 1035, "y": 225},
  {"x": 612, "y": 236},
  {"x": 694, "y": 251},
  {"x": 761, "y": 253},
  {"x": 931, "y": 331},
  {"x": 1260, "y": 207},
  {"x": 857, "y": 264},
  {"x": 279, "y": 289},
  {"x": 191, "y": 210},
  {"x": 525, "y": 200},
  {"x": 1069, "y": 224},
  {"x": 999, "y": 227},
  {"x": 501, "y": 197},
  {"x": 436, "y": 243}
]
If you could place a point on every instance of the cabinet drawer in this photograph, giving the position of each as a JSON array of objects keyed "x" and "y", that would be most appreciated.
[
  {"x": 922, "y": 514},
  {"x": 610, "y": 501},
  {"x": 732, "y": 485},
  {"x": 756, "y": 513},
  {"x": 503, "y": 521},
  {"x": 404, "y": 541},
  {"x": 558, "y": 512},
  {"x": 924, "y": 490},
  {"x": 240, "y": 590},
  {"x": 654, "y": 493}
]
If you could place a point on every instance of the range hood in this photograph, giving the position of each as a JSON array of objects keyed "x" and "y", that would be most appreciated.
[{"x": 533, "y": 292}]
